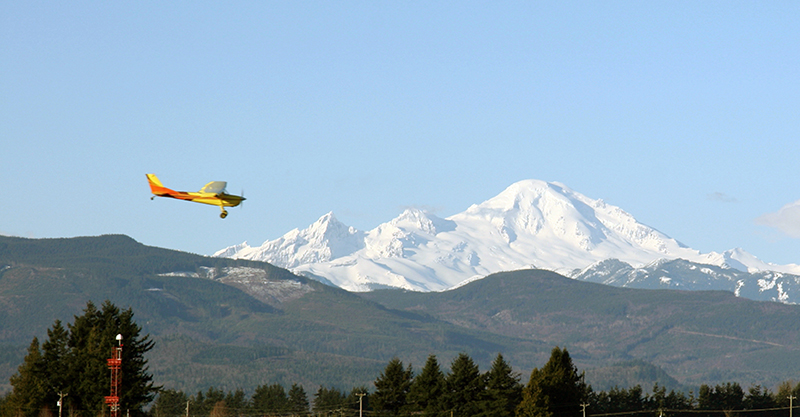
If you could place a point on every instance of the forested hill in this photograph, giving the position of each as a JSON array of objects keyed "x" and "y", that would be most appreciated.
[
  {"x": 118, "y": 253},
  {"x": 219, "y": 322},
  {"x": 240, "y": 324},
  {"x": 46, "y": 279},
  {"x": 696, "y": 336}
]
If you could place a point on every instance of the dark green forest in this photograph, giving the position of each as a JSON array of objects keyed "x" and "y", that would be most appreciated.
[{"x": 68, "y": 369}]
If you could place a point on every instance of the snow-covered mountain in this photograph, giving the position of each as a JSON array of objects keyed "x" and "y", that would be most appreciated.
[
  {"x": 532, "y": 224},
  {"x": 681, "y": 274}
]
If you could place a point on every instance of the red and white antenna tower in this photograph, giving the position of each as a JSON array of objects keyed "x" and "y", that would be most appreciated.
[{"x": 114, "y": 364}]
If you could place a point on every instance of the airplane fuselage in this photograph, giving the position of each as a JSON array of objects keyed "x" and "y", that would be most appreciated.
[
  {"x": 222, "y": 199},
  {"x": 212, "y": 194}
]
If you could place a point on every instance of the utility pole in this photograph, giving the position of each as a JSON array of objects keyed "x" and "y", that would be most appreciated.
[
  {"x": 61, "y": 396},
  {"x": 360, "y": 404},
  {"x": 791, "y": 397}
]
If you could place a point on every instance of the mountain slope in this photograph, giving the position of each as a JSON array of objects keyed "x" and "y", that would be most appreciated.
[
  {"x": 219, "y": 322},
  {"x": 696, "y": 336},
  {"x": 239, "y": 324},
  {"x": 531, "y": 224}
]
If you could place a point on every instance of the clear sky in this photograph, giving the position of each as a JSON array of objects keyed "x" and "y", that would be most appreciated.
[{"x": 684, "y": 114}]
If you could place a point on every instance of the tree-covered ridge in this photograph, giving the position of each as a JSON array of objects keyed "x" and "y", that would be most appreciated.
[
  {"x": 715, "y": 333},
  {"x": 555, "y": 389},
  {"x": 115, "y": 254},
  {"x": 70, "y": 367},
  {"x": 210, "y": 333}
]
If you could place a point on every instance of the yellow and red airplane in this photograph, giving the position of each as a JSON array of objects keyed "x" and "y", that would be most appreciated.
[{"x": 212, "y": 193}]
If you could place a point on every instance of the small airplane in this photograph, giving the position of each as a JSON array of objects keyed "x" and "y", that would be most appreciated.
[{"x": 212, "y": 193}]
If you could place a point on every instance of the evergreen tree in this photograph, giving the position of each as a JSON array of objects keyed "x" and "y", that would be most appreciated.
[
  {"x": 729, "y": 396},
  {"x": 785, "y": 390},
  {"x": 268, "y": 399},
  {"x": 92, "y": 337},
  {"x": 56, "y": 354},
  {"x": 327, "y": 400},
  {"x": 427, "y": 389},
  {"x": 618, "y": 400},
  {"x": 169, "y": 403},
  {"x": 76, "y": 360},
  {"x": 757, "y": 399},
  {"x": 204, "y": 404},
  {"x": 391, "y": 388},
  {"x": 30, "y": 384},
  {"x": 556, "y": 389},
  {"x": 5, "y": 408},
  {"x": 673, "y": 401},
  {"x": 236, "y": 403},
  {"x": 465, "y": 387},
  {"x": 503, "y": 390},
  {"x": 298, "y": 400}
]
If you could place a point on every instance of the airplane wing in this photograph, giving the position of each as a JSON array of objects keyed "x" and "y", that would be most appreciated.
[{"x": 214, "y": 187}]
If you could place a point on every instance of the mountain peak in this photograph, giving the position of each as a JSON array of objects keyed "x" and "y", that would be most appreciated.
[
  {"x": 531, "y": 223},
  {"x": 327, "y": 228},
  {"x": 324, "y": 240},
  {"x": 519, "y": 195},
  {"x": 416, "y": 219}
]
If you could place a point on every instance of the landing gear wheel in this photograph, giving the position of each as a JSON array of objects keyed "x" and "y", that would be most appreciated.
[{"x": 224, "y": 214}]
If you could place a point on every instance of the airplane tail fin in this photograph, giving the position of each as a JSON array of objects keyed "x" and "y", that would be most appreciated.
[{"x": 156, "y": 187}]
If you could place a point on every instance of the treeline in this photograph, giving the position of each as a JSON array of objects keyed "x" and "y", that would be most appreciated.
[
  {"x": 267, "y": 400},
  {"x": 557, "y": 389},
  {"x": 68, "y": 375}
]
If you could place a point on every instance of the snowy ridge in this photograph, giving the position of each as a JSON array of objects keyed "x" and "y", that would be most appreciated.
[
  {"x": 531, "y": 224},
  {"x": 323, "y": 241},
  {"x": 685, "y": 275}
]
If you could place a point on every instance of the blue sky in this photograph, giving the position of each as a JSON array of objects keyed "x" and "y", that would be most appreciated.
[{"x": 684, "y": 114}]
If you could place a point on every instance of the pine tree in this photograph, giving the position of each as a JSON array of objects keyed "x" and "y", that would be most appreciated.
[
  {"x": 56, "y": 354},
  {"x": 503, "y": 390},
  {"x": 169, "y": 403},
  {"x": 30, "y": 384},
  {"x": 204, "y": 403},
  {"x": 758, "y": 398},
  {"x": 92, "y": 337},
  {"x": 298, "y": 400},
  {"x": 236, "y": 402},
  {"x": 785, "y": 390},
  {"x": 465, "y": 387},
  {"x": 556, "y": 389},
  {"x": 327, "y": 400},
  {"x": 269, "y": 399},
  {"x": 391, "y": 388},
  {"x": 672, "y": 401},
  {"x": 427, "y": 389},
  {"x": 729, "y": 396}
]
